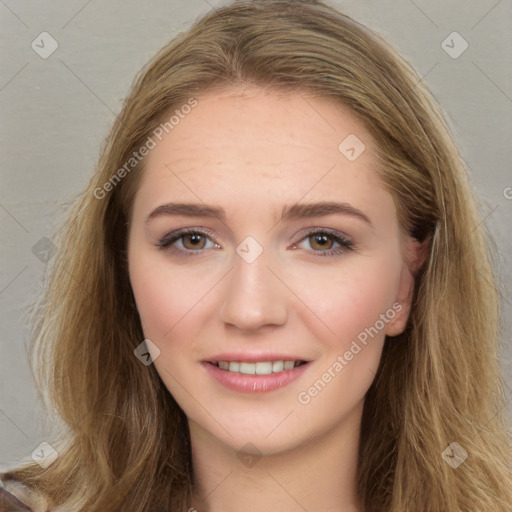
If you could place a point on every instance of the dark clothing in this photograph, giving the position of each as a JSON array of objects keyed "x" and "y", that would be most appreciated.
[{"x": 9, "y": 502}]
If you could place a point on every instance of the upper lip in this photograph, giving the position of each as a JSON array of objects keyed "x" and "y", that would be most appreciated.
[{"x": 254, "y": 358}]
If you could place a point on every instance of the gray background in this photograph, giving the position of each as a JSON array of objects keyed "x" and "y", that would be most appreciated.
[{"x": 56, "y": 111}]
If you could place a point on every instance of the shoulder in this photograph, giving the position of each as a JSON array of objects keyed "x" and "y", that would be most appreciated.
[{"x": 17, "y": 497}]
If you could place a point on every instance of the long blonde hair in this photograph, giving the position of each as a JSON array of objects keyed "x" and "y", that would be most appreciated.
[{"x": 127, "y": 447}]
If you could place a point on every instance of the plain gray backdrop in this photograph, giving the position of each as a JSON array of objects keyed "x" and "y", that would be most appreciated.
[{"x": 57, "y": 108}]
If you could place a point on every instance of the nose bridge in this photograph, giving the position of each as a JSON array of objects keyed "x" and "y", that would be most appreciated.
[{"x": 254, "y": 296}]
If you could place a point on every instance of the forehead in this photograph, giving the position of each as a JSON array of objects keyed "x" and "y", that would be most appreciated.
[{"x": 248, "y": 144}]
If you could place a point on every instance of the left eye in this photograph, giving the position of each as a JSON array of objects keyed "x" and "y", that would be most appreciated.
[{"x": 321, "y": 238}]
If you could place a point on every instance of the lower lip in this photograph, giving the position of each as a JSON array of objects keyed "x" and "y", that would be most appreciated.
[{"x": 254, "y": 383}]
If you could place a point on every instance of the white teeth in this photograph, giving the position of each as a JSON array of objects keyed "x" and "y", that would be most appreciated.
[
  {"x": 247, "y": 368},
  {"x": 259, "y": 368},
  {"x": 264, "y": 368},
  {"x": 277, "y": 366}
]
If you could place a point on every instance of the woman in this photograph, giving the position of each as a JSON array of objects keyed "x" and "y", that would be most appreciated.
[{"x": 272, "y": 294}]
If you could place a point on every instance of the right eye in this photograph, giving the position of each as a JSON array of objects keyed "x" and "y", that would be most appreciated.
[{"x": 192, "y": 241}]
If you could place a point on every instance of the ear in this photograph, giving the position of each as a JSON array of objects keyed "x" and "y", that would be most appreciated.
[{"x": 414, "y": 256}]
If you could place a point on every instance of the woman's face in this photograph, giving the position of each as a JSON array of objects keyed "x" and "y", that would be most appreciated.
[{"x": 303, "y": 262}]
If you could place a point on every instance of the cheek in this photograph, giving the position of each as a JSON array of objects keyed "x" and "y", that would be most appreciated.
[
  {"x": 340, "y": 303},
  {"x": 156, "y": 300},
  {"x": 352, "y": 307},
  {"x": 169, "y": 300},
  {"x": 153, "y": 285}
]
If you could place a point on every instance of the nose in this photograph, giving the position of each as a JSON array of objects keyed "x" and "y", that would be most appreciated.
[{"x": 254, "y": 296}]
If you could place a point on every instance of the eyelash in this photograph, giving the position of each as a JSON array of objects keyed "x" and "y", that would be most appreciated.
[{"x": 165, "y": 243}]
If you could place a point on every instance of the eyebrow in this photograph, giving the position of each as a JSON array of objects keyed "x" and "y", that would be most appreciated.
[{"x": 288, "y": 212}]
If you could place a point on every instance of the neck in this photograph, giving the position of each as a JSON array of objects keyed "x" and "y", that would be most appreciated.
[{"x": 319, "y": 474}]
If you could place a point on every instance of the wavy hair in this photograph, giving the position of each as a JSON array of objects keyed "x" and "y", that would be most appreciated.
[{"x": 126, "y": 447}]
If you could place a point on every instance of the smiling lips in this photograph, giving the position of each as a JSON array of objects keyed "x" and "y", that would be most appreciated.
[
  {"x": 258, "y": 368},
  {"x": 255, "y": 376}
]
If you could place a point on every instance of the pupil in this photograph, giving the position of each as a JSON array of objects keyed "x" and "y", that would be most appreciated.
[
  {"x": 195, "y": 238},
  {"x": 321, "y": 239}
]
